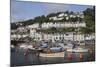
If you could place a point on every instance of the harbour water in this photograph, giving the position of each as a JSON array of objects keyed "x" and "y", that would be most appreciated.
[{"x": 18, "y": 58}]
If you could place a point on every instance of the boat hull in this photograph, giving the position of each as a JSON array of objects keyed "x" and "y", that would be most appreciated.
[
  {"x": 59, "y": 54},
  {"x": 77, "y": 50}
]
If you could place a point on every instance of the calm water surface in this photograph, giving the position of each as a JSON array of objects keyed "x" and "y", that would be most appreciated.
[{"x": 19, "y": 59}]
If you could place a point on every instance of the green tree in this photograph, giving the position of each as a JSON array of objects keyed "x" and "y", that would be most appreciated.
[{"x": 89, "y": 18}]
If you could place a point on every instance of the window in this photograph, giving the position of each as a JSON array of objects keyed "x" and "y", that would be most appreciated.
[
  {"x": 56, "y": 37},
  {"x": 60, "y": 38}
]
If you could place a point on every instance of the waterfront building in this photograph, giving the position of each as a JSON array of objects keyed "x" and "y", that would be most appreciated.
[
  {"x": 90, "y": 36},
  {"x": 68, "y": 36},
  {"x": 32, "y": 32}
]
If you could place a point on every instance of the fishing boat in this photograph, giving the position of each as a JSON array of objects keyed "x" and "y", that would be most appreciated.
[
  {"x": 56, "y": 49},
  {"x": 23, "y": 46},
  {"x": 78, "y": 50},
  {"x": 58, "y": 54}
]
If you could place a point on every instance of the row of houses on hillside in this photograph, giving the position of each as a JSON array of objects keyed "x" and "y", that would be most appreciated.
[
  {"x": 66, "y": 16},
  {"x": 67, "y": 36},
  {"x": 46, "y": 25}
]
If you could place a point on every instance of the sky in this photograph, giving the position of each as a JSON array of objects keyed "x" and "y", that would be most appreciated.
[{"x": 24, "y": 10}]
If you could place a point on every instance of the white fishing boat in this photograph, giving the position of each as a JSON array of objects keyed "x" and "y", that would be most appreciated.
[
  {"x": 35, "y": 49},
  {"x": 56, "y": 49},
  {"x": 59, "y": 54},
  {"x": 23, "y": 46}
]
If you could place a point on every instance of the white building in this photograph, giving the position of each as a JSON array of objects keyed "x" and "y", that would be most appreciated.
[
  {"x": 79, "y": 37},
  {"x": 37, "y": 36},
  {"x": 62, "y": 25},
  {"x": 61, "y": 15},
  {"x": 21, "y": 28},
  {"x": 67, "y": 18},
  {"x": 72, "y": 16},
  {"x": 35, "y": 25},
  {"x": 68, "y": 36},
  {"x": 18, "y": 36},
  {"x": 32, "y": 32},
  {"x": 53, "y": 18},
  {"x": 90, "y": 36}
]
